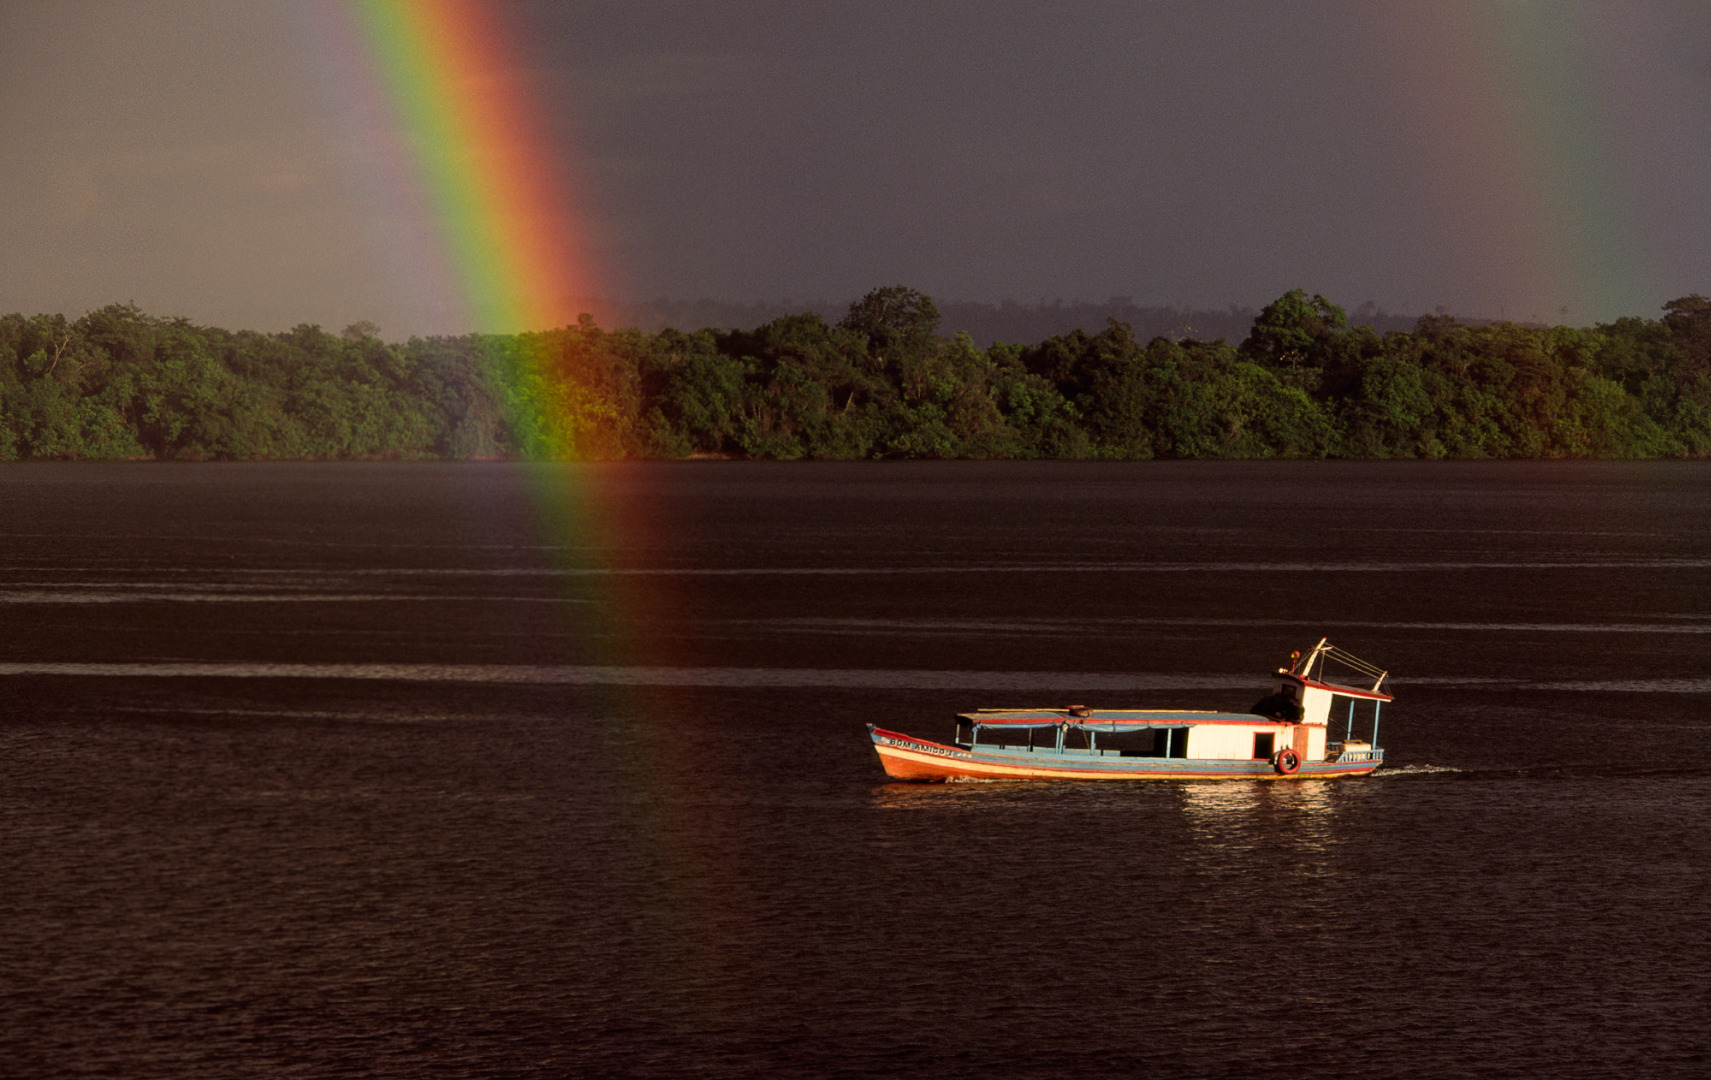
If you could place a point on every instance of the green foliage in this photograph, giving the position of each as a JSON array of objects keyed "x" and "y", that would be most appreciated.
[
  {"x": 1296, "y": 332},
  {"x": 893, "y": 319},
  {"x": 1689, "y": 325},
  {"x": 118, "y": 383}
]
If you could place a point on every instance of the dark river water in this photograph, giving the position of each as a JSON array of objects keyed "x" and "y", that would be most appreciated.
[{"x": 492, "y": 770}]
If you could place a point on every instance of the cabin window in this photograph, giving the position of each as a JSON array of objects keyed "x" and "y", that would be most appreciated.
[
  {"x": 1005, "y": 735},
  {"x": 1169, "y": 743},
  {"x": 1019, "y": 737},
  {"x": 1147, "y": 742},
  {"x": 1134, "y": 743},
  {"x": 1262, "y": 745}
]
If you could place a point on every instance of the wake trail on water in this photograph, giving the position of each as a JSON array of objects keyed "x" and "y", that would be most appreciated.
[{"x": 1415, "y": 770}]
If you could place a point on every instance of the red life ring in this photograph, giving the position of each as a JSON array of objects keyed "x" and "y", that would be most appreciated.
[{"x": 1287, "y": 762}]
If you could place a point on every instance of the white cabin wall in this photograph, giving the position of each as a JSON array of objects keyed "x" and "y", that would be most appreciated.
[
  {"x": 1207, "y": 741},
  {"x": 1315, "y": 705},
  {"x": 1315, "y": 743}
]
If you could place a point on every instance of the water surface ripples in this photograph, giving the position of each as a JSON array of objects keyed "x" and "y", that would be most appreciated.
[{"x": 349, "y": 771}]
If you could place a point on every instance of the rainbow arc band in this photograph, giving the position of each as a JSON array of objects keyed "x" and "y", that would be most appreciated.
[{"x": 496, "y": 180}]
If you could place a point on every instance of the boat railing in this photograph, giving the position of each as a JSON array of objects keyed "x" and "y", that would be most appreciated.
[
  {"x": 1336, "y": 752},
  {"x": 1054, "y": 751}
]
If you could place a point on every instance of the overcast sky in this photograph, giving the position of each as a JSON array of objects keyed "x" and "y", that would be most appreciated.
[{"x": 1519, "y": 158}]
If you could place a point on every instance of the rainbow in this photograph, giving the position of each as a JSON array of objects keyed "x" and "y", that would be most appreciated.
[
  {"x": 1566, "y": 105},
  {"x": 1515, "y": 108},
  {"x": 442, "y": 81},
  {"x": 476, "y": 192},
  {"x": 1511, "y": 110},
  {"x": 499, "y": 193},
  {"x": 446, "y": 79}
]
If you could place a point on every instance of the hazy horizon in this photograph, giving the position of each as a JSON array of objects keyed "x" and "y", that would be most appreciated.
[{"x": 233, "y": 163}]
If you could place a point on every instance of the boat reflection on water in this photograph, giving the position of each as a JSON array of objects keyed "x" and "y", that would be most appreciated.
[{"x": 1241, "y": 816}]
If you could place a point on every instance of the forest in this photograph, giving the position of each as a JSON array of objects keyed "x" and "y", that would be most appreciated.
[{"x": 881, "y": 382}]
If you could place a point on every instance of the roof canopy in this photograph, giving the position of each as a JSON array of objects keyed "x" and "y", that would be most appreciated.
[
  {"x": 1339, "y": 688},
  {"x": 1324, "y": 654},
  {"x": 1109, "y": 720}
]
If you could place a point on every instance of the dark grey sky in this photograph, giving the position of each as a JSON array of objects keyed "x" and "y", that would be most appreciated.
[{"x": 1524, "y": 158}]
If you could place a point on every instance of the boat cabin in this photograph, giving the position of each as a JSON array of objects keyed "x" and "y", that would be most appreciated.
[
  {"x": 1130, "y": 733},
  {"x": 1304, "y": 713},
  {"x": 1299, "y": 730},
  {"x": 1317, "y": 703}
]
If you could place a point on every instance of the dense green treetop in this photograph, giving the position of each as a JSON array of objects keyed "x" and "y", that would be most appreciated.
[{"x": 881, "y": 382}]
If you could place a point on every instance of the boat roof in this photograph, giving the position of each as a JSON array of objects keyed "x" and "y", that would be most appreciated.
[
  {"x": 1108, "y": 719},
  {"x": 1324, "y": 654},
  {"x": 1336, "y": 688}
]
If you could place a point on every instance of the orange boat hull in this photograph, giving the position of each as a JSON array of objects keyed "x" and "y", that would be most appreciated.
[{"x": 905, "y": 757}]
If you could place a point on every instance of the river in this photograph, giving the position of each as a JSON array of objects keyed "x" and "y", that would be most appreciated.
[{"x": 410, "y": 770}]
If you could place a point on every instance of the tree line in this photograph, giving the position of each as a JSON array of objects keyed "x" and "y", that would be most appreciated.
[
  {"x": 1005, "y": 320},
  {"x": 881, "y": 382}
]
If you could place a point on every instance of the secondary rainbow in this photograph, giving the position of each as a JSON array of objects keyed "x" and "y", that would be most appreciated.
[{"x": 1516, "y": 117}]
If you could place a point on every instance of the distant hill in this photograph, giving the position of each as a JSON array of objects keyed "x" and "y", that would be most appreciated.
[{"x": 986, "y": 323}]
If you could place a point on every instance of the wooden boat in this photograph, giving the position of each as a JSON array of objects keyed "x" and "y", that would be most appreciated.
[{"x": 1286, "y": 735}]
